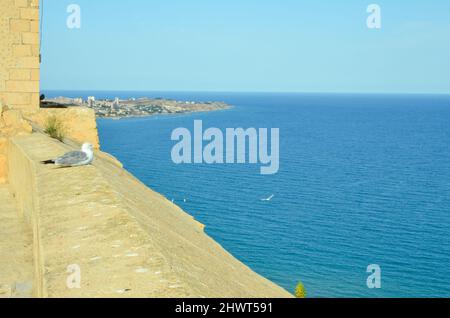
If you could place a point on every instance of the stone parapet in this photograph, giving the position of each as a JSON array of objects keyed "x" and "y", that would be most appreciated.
[{"x": 125, "y": 239}]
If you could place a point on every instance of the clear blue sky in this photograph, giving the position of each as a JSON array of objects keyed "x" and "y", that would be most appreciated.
[{"x": 248, "y": 45}]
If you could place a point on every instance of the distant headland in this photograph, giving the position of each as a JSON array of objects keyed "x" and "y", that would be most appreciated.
[{"x": 134, "y": 107}]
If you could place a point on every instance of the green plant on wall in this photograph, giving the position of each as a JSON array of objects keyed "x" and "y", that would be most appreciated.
[
  {"x": 300, "y": 291},
  {"x": 54, "y": 127}
]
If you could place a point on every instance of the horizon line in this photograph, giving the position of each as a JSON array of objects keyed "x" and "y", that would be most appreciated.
[{"x": 250, "y": 92}]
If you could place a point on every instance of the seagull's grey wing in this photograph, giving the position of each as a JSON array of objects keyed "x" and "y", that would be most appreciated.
[{"x": 71, "y": 158}]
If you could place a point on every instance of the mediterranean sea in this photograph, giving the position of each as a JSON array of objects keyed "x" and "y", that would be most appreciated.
[{"x": 363, "y": 179}]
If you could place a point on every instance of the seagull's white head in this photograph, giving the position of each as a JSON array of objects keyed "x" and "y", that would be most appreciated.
[{"x": 87, "y": 147}]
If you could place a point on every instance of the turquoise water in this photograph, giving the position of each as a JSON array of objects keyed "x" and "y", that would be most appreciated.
[{"x": 364, "y": 179}]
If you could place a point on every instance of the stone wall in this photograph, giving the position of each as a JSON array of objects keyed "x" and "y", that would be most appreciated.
[
  {"x": 125, "y": 239},
  {"x": 79, "y": 123},
  {"x": 19, "y": 70},
  {"x": 11, "y": 124},
  {"x": 19, "y": 54}
]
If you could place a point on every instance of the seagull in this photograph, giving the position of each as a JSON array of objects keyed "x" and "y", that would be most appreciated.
[
  {"x": 269, "y": 198},
  {"x": 74, "y": 158}
]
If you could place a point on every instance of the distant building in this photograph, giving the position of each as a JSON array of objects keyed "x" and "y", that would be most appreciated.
[
  {"x": 91, "y": 101},
  {"x": 115, "y": 104}
]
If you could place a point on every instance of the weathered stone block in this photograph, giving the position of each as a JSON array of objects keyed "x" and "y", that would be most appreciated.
[
  {"x": 35, "y": 50},
  {"x": 17, "y": 98},
  {"x": 35, "y": 100},
  {"x": 29, "y": 13},
  {"x": 30, "y": 38},
  {"x": 27, "y": 62},
  {"x": 22, "y": 86},
  {"x": 19, "y": 25},
  {"x": 20, "y": 75},
  {"x": 21, "y": 3},
  {"x": 35, "y": 75},
  {"x": 34, "y": 26},
  {"x": 22, "y": 50}
]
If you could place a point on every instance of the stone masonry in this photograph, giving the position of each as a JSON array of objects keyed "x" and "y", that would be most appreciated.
[
  {"x": 19, "y": 70},
  {"x": 19, "y": 54}
]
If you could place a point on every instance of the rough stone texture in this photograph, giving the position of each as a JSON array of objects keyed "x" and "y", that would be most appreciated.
[
  {"x": 11, "y": 124},
  {"x": 79, "y": 123},
  {"x": 16, "y": 265},
  {"x": 3, "y": 168},
  {"x": 127, "y": 240},
  {"x": 19, "y": 54},
  {"x": 19, "y": 70}
]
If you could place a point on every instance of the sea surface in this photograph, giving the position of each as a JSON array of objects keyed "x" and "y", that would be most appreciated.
[{"x": 364, "y": 179}]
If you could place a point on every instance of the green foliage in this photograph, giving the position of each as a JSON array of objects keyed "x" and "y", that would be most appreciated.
[
  {"x": 300, "y": 291},
  {"x": 54, "y": 127}
]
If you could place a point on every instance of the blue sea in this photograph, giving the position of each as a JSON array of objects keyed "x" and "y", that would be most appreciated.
[{"x": 363, "y": 179}]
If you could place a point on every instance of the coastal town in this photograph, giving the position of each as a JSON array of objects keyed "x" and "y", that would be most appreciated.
[{"x": 134, "y": 107}]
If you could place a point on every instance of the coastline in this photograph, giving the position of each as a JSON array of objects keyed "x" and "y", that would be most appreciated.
[
  {"x": 167, "y": 115},
  {"x": 134, "y": 107}
]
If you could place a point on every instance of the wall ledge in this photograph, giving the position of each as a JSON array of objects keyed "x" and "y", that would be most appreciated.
[{"x": 127, "y": 240}]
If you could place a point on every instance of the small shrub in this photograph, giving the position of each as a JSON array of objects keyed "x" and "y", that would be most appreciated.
[
  {"x": 300, "y": 291},
  {"x": 54, "y": 127}
]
